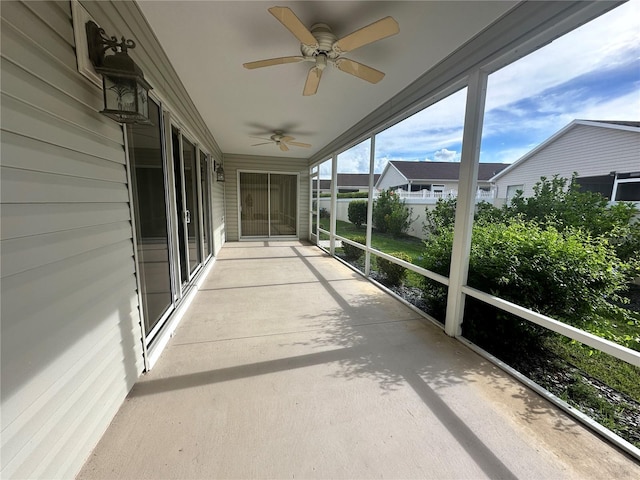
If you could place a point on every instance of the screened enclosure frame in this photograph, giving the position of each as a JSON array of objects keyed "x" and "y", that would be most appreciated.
[{"x": 458, "y": 71}]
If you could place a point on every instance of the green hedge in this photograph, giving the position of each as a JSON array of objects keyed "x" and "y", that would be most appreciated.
[
  {"x": 352, "y": 252},
  {"x": 393, "y": 273},
  {"x": 357, "y": 212},
  {"x": 567, "y": 275}
]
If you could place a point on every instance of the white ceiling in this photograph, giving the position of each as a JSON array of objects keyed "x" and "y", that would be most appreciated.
[{"x": 208, "y": 41}]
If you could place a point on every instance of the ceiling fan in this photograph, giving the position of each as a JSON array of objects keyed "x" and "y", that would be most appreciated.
[
  {"x": 281, "y": 140},
  {"x": 321, "y": 47}
]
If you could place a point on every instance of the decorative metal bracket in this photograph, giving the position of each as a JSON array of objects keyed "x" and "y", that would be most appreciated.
[{"x": 99, "y": 43}]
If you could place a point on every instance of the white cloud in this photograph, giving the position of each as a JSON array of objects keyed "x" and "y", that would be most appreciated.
[
  {"x": 596, "y": 45},
  {"x": 508, "y": 155},
  {"x": 445, "y": 155},
  {"x": 626, "y": 107}
]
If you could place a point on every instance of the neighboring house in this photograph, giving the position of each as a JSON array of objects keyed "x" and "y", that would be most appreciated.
[
  {"x": 347, "y": 183},
  {"x": 434, "y": 179},
  {"x": 604, "y": 154}
]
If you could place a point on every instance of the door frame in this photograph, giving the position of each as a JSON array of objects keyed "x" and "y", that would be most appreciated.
[{"x": 239, "y": 206}]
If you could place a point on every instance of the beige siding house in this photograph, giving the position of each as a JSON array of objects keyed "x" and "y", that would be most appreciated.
[
  {"x": 432, "y": 178},
  {"x": 590, "y": 148}
]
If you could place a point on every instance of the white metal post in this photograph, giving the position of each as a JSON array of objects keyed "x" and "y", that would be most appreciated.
[
  {"x": 372, "y": 161},
  {"x": 470, "y": 157},
  {"x": 334, "y": 204}
]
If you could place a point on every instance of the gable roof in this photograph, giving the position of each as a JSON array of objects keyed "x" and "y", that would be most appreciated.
[
  {"x": 356, "y": 179},
  {"x": 348, "y": 180},
  {"x": 613, "y": 124},
  {"x": 429, "y": 171}
]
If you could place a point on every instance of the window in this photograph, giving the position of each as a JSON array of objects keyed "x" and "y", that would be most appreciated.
[{"x": 512, "y": 190}]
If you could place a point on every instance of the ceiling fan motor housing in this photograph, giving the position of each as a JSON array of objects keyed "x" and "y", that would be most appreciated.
[{"x": 326, "y": 39}]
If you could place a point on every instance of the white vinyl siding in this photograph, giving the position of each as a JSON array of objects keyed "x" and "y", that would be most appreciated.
[
  {"x": 71, "y": 341},
  {"x": 217, "y": 210},
  {"x": 233, "y": 163},
  {"x": 588, "y": 150},
  {"x": 71, "y": 335},
  {"x": 390, "y": 178}
]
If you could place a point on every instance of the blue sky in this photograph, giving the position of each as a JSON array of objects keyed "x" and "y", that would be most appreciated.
[{"x": 592, "y": 73}]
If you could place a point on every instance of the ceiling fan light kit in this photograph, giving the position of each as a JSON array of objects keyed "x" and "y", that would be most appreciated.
[{"x": 320, "y": 46}]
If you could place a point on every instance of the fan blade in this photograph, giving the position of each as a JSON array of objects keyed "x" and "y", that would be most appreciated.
[
  {"x": 272, "y": 61},
  {"x": 359, "y": 70},
  {"x": 298, "y": 144},
  {"x": 287, "y": 139},
  {"x": 283, "y": 147},
  {"x": 376, "y": 31},
  {"x": 313, "y": 80},
  {"x": 264, "y": 143},
  {"x": 287, "y": 18}
]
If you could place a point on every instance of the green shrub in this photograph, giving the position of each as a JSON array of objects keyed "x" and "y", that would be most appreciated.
[
  {"x": 352, "y": 252},
  {"x": 568, "y": 275},
  {"x": 440, "y": 217},
  {"x": 393, "y": 273},
  {"x": 390, "y": 214},
  {"x": 353, "y": 195},
  {"x": 559, "y": 202},
  {"x": 357, "y": 212}
]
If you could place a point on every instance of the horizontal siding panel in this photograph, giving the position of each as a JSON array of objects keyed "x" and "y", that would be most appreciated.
[
  {"x": 55, "y": 15},
  {"x": 84, "y": 428},
  {"x": 28, "y": 154},
  {"x": 25, "y": 420},
  {"x": 22, "y": 51},
  {"x": 28, "y": 121},
  {"x": 588, "y": 150},
  {"x": 35, "y": 91},
  {"x": 18, "y": 16},
  {"x": 32, "y": 292},
  {"x": 54, "y": 413},
  {"x": 24, "y": 186},
  {"x": 109, "y": 392},
  {"x": 38, "y": 366},
  {"x": 218, "y": 215},
  {"x": 22, "y": 254},
  {"x": 22, "y": 220},
  {"x": 17, "y": 462}
]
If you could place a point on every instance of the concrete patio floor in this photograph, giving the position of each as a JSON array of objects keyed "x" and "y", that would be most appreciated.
[{"x": 290, "y": 365}]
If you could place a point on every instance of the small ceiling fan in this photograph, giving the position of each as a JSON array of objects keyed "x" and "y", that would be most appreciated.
[
  {"x": 281, "y": 140},
  {"x": 321, "y": 47}
]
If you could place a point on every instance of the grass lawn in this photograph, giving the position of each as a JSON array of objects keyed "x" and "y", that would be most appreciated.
[{"x": 385, "y": 242}]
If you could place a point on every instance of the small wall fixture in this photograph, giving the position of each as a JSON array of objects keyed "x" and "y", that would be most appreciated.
[
  {"x": 219, "y": 171},
  {"x": 125, "y": 89}
]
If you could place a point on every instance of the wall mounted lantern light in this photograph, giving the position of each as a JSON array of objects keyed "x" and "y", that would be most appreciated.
[
  {"x": 219, "y": 171},
  {"x": 125, "y": 89}
]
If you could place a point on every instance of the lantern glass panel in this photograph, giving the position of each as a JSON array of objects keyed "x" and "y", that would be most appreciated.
[
  {"x": 143, "y": 104},
  {"x": 120, "y": 95}
]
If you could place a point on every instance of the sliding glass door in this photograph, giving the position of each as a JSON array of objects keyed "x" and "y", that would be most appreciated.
[
  {"x": 149, "y": 179},
  {"x": 268, "y": 204},
  {"x": 171, "y": 196},
  {"x": 187, "y": 188},
  {"x": 283, "y": 209}
]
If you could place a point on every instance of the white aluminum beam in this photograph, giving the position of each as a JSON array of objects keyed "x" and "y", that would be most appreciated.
[{"x": 470, "y": 157}]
